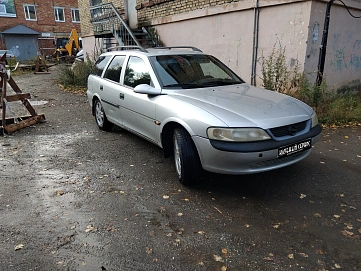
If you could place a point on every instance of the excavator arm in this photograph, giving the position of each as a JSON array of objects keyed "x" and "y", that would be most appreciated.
[{"x": 72, "y": 46}]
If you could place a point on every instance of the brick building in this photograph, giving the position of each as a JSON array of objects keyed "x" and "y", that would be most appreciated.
[
  {"x": 26, "y": 26},
  {"x": 239, "y": 32}
]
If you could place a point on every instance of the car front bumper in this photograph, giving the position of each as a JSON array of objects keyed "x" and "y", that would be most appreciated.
[{"x": 247, "y": 158}]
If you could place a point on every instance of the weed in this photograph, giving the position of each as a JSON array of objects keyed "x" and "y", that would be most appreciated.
[
  {"x": 330, "y": 107},
  {"x": 342, "y": 109},
  {"x": 274, "y": 70}
]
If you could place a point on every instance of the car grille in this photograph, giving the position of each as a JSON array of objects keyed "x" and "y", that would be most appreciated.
[
  {"x": 273, "y": 162},
  {"x": 289, "y": 130}
]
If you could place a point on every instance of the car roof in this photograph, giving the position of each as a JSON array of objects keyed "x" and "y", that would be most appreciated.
[{"x": 153, "y": 51}]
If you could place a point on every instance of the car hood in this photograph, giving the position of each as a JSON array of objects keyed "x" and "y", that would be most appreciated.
[{"x": 244, "y": 105}]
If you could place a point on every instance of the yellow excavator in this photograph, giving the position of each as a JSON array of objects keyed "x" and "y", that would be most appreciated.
[{"x": 67, "y": 48}]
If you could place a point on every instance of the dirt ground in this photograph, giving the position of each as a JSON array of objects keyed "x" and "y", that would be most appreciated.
[{"x": 75, "y": 198}]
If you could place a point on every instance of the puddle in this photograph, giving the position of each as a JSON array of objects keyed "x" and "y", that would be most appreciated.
[{"x": 38, "y": 102}]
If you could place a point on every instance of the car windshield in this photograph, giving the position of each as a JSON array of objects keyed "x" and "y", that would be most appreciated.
[{"x": 192, "y": 71}]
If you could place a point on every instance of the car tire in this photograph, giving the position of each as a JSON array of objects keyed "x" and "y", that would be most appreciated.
[
  {"x": 187, "y": 163},
  {"x": 100, "y": 117}
]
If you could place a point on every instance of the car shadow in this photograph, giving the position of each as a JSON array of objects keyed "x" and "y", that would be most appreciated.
[{"x": 280, "y": 182}]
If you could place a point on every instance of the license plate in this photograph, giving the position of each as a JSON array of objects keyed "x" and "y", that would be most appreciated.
[{"x": 294, "y": 148}]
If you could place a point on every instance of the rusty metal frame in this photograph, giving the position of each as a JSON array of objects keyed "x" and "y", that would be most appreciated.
[{"x": 10, "y": 125}]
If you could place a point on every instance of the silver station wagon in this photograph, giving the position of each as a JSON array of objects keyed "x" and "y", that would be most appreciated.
[{"x": 199, "y": 111}]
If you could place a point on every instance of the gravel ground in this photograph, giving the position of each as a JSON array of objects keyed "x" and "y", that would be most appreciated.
[{"x": 75, "y": 198}]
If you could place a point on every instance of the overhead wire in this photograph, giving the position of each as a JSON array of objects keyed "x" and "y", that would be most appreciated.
[{"x": 356, "y": 17}]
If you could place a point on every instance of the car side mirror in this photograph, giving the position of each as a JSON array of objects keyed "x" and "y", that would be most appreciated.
[{"x": 147, "y": 89}]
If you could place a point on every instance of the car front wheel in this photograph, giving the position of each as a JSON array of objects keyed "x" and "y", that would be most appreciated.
[
  {"x": 100, "y": 117},
  {"x": 187, "y": 163}
]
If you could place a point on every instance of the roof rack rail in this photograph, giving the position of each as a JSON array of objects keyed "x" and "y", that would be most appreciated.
[
  {"x": 125, "y": 47},
  {"x": 180, "y": 47}
]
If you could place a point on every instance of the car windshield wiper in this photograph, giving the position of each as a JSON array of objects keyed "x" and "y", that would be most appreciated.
[
  {"x": 197, "y": 84},
  {"x": 184, "y": 86},
  {"x": 220, "y": 83}
]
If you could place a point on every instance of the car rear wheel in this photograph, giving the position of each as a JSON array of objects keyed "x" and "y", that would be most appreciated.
[
  {"x": 187, "y": 163},
  {"x": 100, "y": 117}
]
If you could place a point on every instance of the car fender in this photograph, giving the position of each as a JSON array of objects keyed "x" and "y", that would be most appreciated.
[
  {"x": 92, "y": 99},
  {"x": 172, "y": 113},
  {"x": 194, "y": 119}
]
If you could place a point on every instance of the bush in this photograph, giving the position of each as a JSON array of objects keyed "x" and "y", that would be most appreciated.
[
  {"x": 81, "y": 72},
  {"x": 75, "y": 75},
  {"x": 275, "y": 74}
]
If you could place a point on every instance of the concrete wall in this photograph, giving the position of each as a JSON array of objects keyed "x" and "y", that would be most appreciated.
[
  {"x": 225, "y": 28},
  {"x": 227, "y": 32},
  {"x": 343, "y": 58}
]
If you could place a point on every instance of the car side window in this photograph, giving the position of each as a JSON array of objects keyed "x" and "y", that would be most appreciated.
[
  {"x": 100, "y": 65},
  {"x": 115, "y": 68},
  {"x": 136, "y": 72}
]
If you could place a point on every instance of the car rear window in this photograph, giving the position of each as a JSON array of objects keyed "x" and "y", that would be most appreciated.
[{"x": 100, "y": 65}]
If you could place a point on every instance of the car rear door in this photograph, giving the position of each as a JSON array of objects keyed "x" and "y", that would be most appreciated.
[{"x": 111, "y": 90}]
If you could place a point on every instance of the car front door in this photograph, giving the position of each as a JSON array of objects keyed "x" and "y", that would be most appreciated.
[{"x": 138, "y": 110}]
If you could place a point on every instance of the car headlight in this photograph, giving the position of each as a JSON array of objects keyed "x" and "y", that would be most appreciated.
[
  {"x": 314, "y": 120},
  {"x": 237, "y": 134}
]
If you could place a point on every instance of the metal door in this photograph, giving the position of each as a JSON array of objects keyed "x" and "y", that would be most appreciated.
[{"x": 24, "y": 47}]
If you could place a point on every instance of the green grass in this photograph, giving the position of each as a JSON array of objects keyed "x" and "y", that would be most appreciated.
[{"x": 341, "y": 109}]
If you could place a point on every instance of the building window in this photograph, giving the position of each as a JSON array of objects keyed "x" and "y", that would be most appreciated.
[
  {"x": 95, "y": 2},
  {"x": 59, "y": 14},
  {"x": 75, "y": 17},
  {"x": 30, "y": 12}
]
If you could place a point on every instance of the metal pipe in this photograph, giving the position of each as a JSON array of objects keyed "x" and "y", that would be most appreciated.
[
  {"x": 255, "y": 43},
  {"x": 323, "y": 47},
  {"x": 126, "y": 11}
]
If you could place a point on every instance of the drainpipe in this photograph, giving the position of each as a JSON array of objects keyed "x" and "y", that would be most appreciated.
[
  {"x": 126, "y": 15},
  {"x": 322, "y": 56},
  {"x": 255, "y": 43}
]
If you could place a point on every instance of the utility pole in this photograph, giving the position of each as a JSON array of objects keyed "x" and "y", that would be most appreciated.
[{"x": 322, "y": 56}]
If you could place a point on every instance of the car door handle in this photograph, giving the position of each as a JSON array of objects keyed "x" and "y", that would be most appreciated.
[
  {"x": 101, "y": 87},
  {"x": 121, "y": 96}
]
